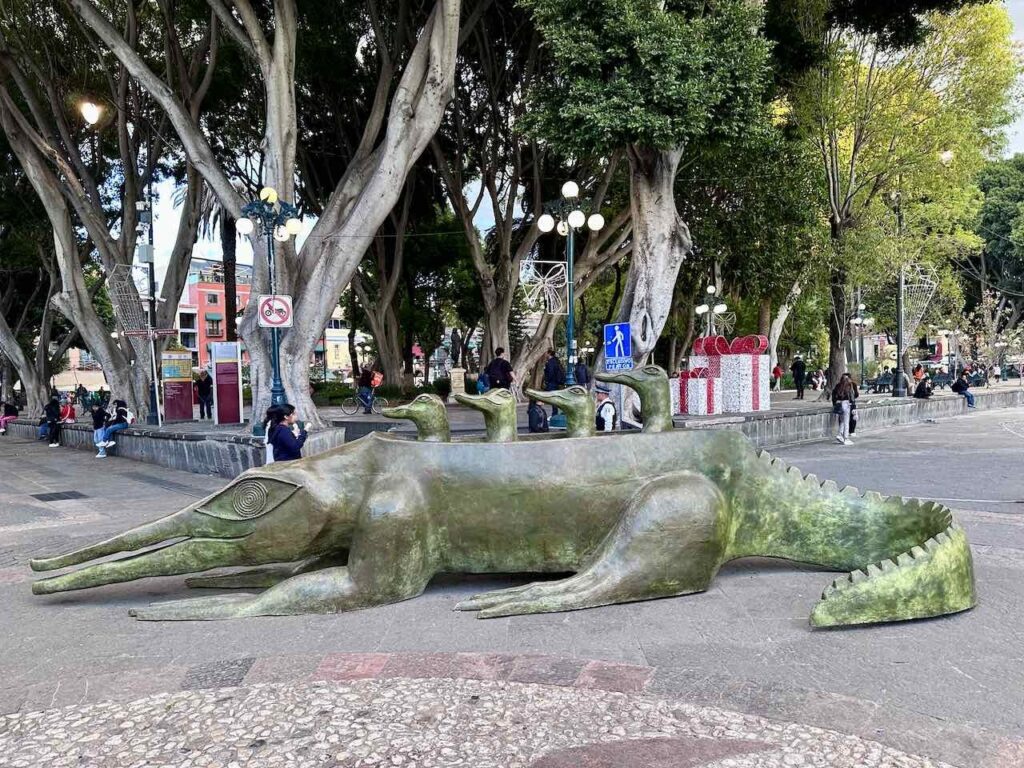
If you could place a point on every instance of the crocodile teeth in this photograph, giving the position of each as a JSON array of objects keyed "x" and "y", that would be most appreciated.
[
  {"x": 917, "y": 552},
  {"x": 812, "y": 480},
  {"x": 942, "y": 538},
  {"x": 931, "y": 545},
  {"x": 829, "y": 487},
  {"x": 796, "y": 473},
  {"x": 856, "y": 577},
  {"x": 851, "y": 491},
  {"x": 887, "y": 565},
  {"x": 874, "y": 497},
  {"x": 904, "y": 558},
  {"x": 873, "y": 571}
]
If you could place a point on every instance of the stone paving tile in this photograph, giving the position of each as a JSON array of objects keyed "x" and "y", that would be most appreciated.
[
  {"x": 282, "y": 669},
  {"x": 482, "y": 666},
  {"x": 418, "y": 665},
  {"x": 624, "y": 678},
  {"x": 547, "y": 670},
  {"x": 218, "y": 674},
  {"x": 351, "y": 666}
]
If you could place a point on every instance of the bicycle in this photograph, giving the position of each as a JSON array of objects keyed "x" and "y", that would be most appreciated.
[{"x": 351, "y": 405}]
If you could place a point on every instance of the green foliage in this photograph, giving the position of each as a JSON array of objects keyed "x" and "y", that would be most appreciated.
[{"x": 646, "y": 72}]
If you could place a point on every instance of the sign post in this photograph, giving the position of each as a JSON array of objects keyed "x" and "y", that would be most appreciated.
[
  {"x": 227, "y": 382},
  {"x": 177, "y": 376}
]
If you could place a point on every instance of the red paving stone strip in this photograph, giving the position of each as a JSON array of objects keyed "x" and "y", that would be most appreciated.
[
  {"x": 351, "y": 666},
  {"x": 609, "y": 676}
]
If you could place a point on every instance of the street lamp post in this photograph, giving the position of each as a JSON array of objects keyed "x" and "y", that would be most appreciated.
[
  {"x": 278, "y": 221},
  {"x": 711, "y": 311},
  {"x": 567, "y": 215}
]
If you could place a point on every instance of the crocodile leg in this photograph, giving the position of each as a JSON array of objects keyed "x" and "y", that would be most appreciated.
[
  {"x": 390, "y": 560},
  {"x": 670, "y": 540},
  {"x": 263, "y": 578}
]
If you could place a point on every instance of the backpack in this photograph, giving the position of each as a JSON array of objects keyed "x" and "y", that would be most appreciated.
[{"x": 485, "y": 380}]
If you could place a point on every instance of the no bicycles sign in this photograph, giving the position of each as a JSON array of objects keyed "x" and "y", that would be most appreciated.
[{"x": 275, "y": 311}]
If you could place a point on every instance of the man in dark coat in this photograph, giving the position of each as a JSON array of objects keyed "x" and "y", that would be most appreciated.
[
  {"x": 554, "y": 376},
  {"x": 799, "y": 370}
]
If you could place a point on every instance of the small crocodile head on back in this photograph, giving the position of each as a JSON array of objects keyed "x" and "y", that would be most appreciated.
[
  {"x": 651, "y": 383},
  {"x": 265, "y": 516},
  {"x": 430, "y": 416},
  {"x": 578, "y": 405},
  {"x": 499, "y": 409}
]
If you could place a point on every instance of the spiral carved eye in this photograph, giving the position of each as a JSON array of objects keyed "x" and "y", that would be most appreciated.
[{"x": 249, "y": 499}]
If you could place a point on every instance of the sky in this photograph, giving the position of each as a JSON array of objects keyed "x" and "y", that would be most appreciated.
[{"x": 167, "y": 215}]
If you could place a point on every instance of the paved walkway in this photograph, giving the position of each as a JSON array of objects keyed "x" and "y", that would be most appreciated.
[{"x": 419, "y": 684}]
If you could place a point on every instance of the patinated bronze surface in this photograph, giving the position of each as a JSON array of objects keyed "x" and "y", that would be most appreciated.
[{"x": 633, "y": 516}]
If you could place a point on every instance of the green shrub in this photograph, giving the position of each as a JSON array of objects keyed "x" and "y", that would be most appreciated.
[{"x": 443, "y": 388}]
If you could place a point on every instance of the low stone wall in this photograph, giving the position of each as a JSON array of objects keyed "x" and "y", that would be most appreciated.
[
  {"x": 205, "y": 453},
  {"x": 771, "y": 429}
]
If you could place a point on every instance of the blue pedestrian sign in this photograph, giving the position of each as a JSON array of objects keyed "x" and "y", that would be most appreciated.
[{"x": 618, "y": 347}]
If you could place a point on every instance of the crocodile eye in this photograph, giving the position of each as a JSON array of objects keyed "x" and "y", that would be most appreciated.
[
  {"x": 423, "y": 399},
  {"x": 578, "y": 390},
  {"x": 249, "y": 499},
  {"x": 653, "y": 370}
]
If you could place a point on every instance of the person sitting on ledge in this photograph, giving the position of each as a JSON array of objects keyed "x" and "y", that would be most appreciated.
[
  {"x": 962, "y": 387},
  {"x": 924, "y": 389}
]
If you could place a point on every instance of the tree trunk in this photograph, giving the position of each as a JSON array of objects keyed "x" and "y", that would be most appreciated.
[
  {"x": 837, "y": 326},
  {"x": 764, "y": 316},
  {"x": 779, "y": 322},
  {"x": 661, "y": 240}
]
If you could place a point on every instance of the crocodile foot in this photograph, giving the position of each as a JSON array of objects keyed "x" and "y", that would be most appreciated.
[
  {"x": 584, "y": 590},
  {"x": 198, "y": 609}
]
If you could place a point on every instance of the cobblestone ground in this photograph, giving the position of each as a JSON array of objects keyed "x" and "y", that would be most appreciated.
[{"x": 427, "y": 723}]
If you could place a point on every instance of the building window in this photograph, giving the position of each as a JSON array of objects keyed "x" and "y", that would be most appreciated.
[
  {"x": 214, "y": 328},
  {"x": 186, "y": 321},
  {"x": 188, "y": 340},
  {"x": 335, "y": 323},
  {"x": 212, "y": 298}
]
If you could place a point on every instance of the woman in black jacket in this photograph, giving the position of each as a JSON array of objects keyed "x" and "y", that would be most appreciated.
[
  {"x": 52, "y": 412},
  {"x": 284, "y": 434}
]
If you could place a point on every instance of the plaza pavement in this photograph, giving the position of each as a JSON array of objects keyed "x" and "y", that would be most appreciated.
[{"x": 418, "y": 684}]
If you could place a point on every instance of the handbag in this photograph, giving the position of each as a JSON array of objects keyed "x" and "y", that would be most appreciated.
[{"x": 837, "y": 408}]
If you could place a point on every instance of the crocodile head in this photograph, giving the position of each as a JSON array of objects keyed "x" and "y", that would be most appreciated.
[
  {"x": 577, "y": 404},
  {"x": 262, "y": 517},
  {"x": 651, "y": 383},
  {"x": 430, "y": 416},
  {"x": 499, "y": 409}
]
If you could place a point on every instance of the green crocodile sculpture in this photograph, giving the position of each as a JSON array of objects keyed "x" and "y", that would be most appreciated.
[
  {"x": 499, "y": 409},
  {"x": 642, "y": 515},
  {"x": 430, "y": 416},
  {"x": 576, "y": 403}
]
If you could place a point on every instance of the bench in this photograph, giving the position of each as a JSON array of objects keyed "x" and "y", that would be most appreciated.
[
  {"x": 881, "y": 384},
  {"x": 942, "y": 380}
]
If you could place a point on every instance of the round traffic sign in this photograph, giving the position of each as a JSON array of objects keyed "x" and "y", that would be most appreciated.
[{"x": 275, "y": 311}]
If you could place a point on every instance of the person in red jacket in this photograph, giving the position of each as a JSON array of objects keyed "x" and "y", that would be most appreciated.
[{"x": 777, "y": 378}]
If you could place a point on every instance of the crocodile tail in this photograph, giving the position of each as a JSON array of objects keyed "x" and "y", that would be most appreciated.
[{"x": 907, "y": 558}]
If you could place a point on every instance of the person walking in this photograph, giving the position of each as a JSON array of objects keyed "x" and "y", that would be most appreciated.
[
  {"x": 499, "y": 371},
  {"x": 799, "y": 371},
  {"x": 843, "y": 398},
  {"x": 554, "y": 376},
  {"x": 582, "y": 374},
  {"x": 284, "y": 433},
  {"x": 962, "y": 387},
  {"x": 538, "y": 417},
  {"x": 83, "y": 395},
  {"x": 605, "y": 416},
  {"x": 10, "y": 413},
  {"x": 777, "y": 378},
  {"x": 204, "y": 390},
  {"x": 52, "y": 413}
]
